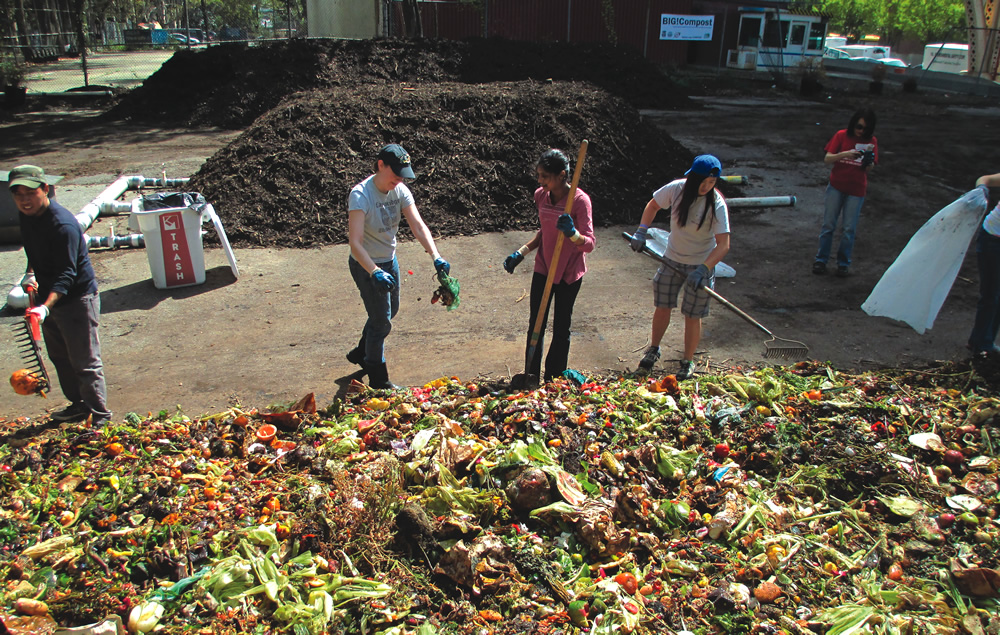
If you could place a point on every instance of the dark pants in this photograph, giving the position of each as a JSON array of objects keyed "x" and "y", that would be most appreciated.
[
  {"x": 984, "y": 331},
  {"x": 564, "y": 296},
  {"x": 72, "y": 343},
  {"x": 381, "y": 306}
]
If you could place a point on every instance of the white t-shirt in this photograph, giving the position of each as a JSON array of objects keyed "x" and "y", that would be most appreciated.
[
  {"x": 382, "y": 215},
  {"x": 688, "y": 244}
]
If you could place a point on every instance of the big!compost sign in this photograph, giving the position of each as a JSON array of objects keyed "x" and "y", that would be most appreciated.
[{"x": 686, "y": 27}]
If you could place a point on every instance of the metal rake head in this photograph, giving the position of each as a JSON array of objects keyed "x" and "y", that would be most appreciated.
[
  {"x": 781, "y": 348},
  {"x": 27, "y": 347}
]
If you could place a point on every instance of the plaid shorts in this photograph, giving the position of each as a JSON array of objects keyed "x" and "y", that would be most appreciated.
[{"x": 667, "y": 283}]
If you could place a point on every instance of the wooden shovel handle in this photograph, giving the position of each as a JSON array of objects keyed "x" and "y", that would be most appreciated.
[{"x": 554, "y": 261}]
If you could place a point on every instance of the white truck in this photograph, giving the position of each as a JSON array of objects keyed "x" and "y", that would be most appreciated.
[{"x": 946, "y": 58}]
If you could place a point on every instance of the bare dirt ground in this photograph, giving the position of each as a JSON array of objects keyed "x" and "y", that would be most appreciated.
[{"x": 282, "y": 329}]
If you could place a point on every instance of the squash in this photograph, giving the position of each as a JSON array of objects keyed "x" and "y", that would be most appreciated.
[{"x": 25, "y": 382}]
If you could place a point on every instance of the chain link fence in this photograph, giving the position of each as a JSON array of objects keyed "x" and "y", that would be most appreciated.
[{"x": 60, "y": 45}]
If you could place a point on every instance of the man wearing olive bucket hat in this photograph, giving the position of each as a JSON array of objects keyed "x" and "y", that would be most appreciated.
[{"x": 699, "y": 239}]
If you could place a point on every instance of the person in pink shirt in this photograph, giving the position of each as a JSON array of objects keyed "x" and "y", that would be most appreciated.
[{"x": 577, "y": 228}]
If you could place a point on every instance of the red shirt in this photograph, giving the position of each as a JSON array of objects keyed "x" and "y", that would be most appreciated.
[{"x": 847, "y": 175}]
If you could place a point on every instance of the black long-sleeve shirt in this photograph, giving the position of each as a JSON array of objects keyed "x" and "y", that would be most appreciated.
[{"x": 57, "y": 253}]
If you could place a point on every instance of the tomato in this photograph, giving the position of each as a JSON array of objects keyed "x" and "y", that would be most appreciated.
[{"x": 627, "y": 582}]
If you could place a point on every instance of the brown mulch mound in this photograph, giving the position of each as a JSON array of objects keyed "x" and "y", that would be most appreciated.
[
  {"x": 285, "y": 180},
  {"x": 230, "y": 85}
]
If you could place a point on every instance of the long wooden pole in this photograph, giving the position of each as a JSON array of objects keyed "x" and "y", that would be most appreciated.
[{"x": 554, "y": 262}]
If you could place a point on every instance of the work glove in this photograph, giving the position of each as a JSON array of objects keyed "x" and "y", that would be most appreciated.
[
  {"x": 565, "y": 225},
  {"x": 383, "y": 279},
  {"x": 39, "y": 312},
  {"x": 867, "y": 158},
  {"x": 639, "y": 238},
  {"x": 440, "y": 264},
  {"x": 698, "y": 278},
  {"x": 29, "y": 283},
  {"x": 512, "y": 261}
]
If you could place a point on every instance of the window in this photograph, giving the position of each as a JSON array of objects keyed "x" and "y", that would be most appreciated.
[
  {"x": 776, "y": 33},
  {"x": 749, "y": 32},
  {"x": 816, "y": 32},
  {"x": 798, "y": 34}
]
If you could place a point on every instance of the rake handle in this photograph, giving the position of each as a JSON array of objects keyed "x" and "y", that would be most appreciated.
[
  {"x": 729, "y": 305},
  {"x": 536, "y": 332}
]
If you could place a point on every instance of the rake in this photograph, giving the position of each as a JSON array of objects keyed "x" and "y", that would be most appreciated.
[
  {"x": 27, "y": 335},
  {"x": 774, "y": 348}
]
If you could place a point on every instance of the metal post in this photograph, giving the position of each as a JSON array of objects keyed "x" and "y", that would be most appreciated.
[
  {"x": 569, "y": 19},
  {"x": 645, "y": 35}
]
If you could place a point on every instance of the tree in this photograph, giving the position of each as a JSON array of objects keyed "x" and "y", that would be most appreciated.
[{"x": 924, "y": 20}]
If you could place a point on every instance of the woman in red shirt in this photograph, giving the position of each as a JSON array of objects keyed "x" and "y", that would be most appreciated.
[{"x": 852, "y": 152}]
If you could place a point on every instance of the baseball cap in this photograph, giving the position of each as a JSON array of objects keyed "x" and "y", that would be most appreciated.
[
  {"x": 398, "y": 159},
  {"x": 705, "y": 165},
  {"x": 27, "y": 175}
]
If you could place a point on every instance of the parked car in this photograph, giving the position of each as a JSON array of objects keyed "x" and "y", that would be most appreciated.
[{"x": 180, "y": 38}]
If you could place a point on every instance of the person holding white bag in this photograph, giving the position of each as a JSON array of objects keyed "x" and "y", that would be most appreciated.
[{"x": 982, "y": 340}]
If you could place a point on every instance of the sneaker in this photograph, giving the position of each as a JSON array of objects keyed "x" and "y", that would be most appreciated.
[
  {"x": 650, "y": 358},
  {"x": 843, "y": 271},
  {"x": 72, "y": 412},
  {"x": 819, "y": 267},
  {"x": 686, "y": 369}
]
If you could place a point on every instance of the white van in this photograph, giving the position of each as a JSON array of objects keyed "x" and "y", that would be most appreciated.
[
  {"x": 946, "y": 58},
  {"x": 873, "y": 51}
]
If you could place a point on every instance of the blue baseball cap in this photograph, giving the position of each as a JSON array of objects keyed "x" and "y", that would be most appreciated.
[{"x": 705, "y": 165}]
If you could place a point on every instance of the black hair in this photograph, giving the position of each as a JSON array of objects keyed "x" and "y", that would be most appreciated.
[
  {"x": 869, "y": 116},
  {"x": 690, "y": 193},
  {"x": 554, "y": 161}
]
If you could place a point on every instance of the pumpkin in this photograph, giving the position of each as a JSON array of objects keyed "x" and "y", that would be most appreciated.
[{"x": 24, "y": 382}]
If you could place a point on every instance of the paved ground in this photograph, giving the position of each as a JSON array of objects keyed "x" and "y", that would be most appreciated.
[{"x": 282, "y": 329}]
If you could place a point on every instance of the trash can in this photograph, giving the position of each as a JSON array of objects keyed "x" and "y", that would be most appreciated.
[{"x": 171, "y": 227}]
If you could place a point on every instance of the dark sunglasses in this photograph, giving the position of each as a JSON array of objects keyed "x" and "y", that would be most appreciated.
[{"x": 859, "y": 126}]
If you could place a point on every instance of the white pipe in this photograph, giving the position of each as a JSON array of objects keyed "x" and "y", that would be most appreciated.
[
  {"x": 762, "y": 201},
  {"x": 92, "y": 210},
  {"x": 114, "y": 242}
]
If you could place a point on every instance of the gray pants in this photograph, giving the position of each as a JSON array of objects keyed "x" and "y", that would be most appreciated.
[{"x": 71, "y": 340}]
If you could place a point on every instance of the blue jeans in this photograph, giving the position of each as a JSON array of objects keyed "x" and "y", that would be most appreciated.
[
  {"x": 836, "y": 203},
  {"x": 381, "y": 306},
  {"x": 984, "y": 330}
]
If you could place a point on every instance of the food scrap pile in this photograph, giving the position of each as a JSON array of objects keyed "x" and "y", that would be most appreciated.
[{"x": 768, "y": 500}]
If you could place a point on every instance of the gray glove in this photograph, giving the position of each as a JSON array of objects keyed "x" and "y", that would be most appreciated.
[
  {"x": 639, "y": 238},
  {"x": 698, "y": 278}
]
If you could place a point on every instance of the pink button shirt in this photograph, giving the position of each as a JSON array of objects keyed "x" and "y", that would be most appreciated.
[{"x": 572, "y": 260}]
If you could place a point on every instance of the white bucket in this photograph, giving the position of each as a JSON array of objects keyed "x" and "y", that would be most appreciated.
[{"x": 173, "y": 245}]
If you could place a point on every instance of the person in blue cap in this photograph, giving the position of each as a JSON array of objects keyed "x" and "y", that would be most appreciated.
[
  {"x": 66, "y": 301},
  {"x": 699, "y": 239},
  {"x": 374, "y": 208}
]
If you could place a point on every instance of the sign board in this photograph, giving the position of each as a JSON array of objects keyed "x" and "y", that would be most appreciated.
[{"x": 696, "y": 28}]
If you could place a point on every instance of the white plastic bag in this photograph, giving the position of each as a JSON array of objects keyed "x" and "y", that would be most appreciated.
[
  {"x": 915, "y": 286},
  {"x": 657, "y": 242}
]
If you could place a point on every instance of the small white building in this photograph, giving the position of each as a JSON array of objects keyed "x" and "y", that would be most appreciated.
[{"x": 773, "y": 38}]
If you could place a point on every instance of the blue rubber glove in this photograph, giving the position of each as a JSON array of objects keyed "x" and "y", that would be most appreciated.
[
  {"x": 440, "y": 264},
  {"x": 512, "y": 261},
  {"x": 566, "y": 226},
  {"x": 383, "y": 279},
  {"x": 639, "y": 238},
  {"x": 698, "y": 278}
]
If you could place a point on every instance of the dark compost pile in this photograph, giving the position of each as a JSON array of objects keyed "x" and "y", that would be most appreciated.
[{"x": 475, "y": 115}]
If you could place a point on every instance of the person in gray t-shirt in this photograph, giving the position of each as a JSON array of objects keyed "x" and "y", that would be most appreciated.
[
  {"x": 699, "y": 238},
  {"x": 374, "y": 208}
]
